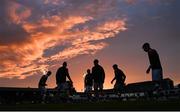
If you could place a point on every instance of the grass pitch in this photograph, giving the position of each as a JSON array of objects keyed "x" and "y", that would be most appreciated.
[{"x": 110, "y": 105}]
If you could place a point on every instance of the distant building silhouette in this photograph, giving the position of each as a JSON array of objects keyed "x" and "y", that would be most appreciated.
[{"x": 12, "y": 95}]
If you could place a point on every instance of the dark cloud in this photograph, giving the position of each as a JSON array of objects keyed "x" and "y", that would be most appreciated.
[
  {"x": 12, "y": 33},
  {"x": 9, "y": 31}
]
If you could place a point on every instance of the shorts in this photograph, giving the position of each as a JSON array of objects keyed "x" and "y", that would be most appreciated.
[
  {"x": 157, "y": 74},
  {"x": 43, "y": 90},
  {"x": 88, "y": 89},
  {"x": 98, "y": 85},
  {"x": 62, "y": 86},
  {"x": 119, "y": 86}
]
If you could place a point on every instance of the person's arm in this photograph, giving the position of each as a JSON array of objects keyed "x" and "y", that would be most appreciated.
[
  {"x": 46, "y": 78},
  {"x": 113, "y": 80},
  {"x": 148, "y": 70},
  {"x": 57, "y": 77},
  {"x": 150, "y": 55},
  {"x": 124, "y": 78},
  {"x": 40, "y": 82},
  {"x": 103, "y": 74},
  {"x": 92, "y": 74},
  {"x": 85, "y": 81},
  {"x": 69, "y": 76}
]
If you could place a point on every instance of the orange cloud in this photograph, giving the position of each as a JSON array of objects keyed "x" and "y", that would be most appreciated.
[
  {"x": 27, "y": 57},
  {"x": 78, "y": 49},
  {"x": 55, "y": 2},
  {"x": 131, "y": 2},
  {"x": 18, "y": 13}
]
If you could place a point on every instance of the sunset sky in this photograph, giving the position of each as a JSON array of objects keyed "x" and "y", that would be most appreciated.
[{"x": 38, "y": 35}]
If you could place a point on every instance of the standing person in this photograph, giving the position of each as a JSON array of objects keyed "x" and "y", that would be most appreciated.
[
  {"x": 155, "y": 64},
  {"x": 42, "y": 85},
  {"x": 98, "y": 75},
  {"x": 61, "y": 75},
  {"x": 88, "y": 82},
  {"x": 120, "y": 78}
]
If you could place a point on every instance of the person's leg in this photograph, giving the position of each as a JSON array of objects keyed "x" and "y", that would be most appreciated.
[
  {"x": 43, "y": 93},
  {"x": 88, "y": 88},
  {"x": 88, "y": 91},
  {"x": 58, "y": 87},
  {"x": 116, "y": 88},
  {"x": 85, "y": 91},
  {"x": 153, "y": 75},
  {"x": 61, "y": 87},
  {"x": 96, "y": 89},
  {"x": 62, "y": 92},
  {"x": 161, "y": 74},
  {"x": 101, "y": 88}
]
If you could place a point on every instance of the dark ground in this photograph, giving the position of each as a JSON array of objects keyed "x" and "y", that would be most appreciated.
[{"x": 110, "y": 105}]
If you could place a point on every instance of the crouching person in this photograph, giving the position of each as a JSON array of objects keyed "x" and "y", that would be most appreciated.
[{"x": 42, "y": 86}]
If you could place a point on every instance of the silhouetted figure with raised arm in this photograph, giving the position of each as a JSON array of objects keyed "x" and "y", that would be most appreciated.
[
  {"x": 98, "y": 77},
  {"x": 61, "y": 75},
  {"x": 120, "y": 78},
  {"x": 155, "y": 64},
  {"x": 88, "y": 83},
  {"x": 42, "y": 85}
]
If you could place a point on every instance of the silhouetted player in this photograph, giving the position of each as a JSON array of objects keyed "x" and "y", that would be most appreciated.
[
  {"x": 120, "y": 78},
  {"x": 88, "y": 81},
  {"x": 98, "y": 77},
  {"x": 42, "y": 84},
  {"x": 155, "y": 64},
  {"x": 61, "y": 75}
]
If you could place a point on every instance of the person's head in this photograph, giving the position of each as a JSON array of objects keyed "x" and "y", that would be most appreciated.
[
  {"x": 146, "y": 47},
  {"x": 49, "y": 73},
  {"x": 96, "y": 62},
  {"x": 115, "y": 66},
  {"x": 88, "y": 71},
  {"x": 65, "y": 64}
]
